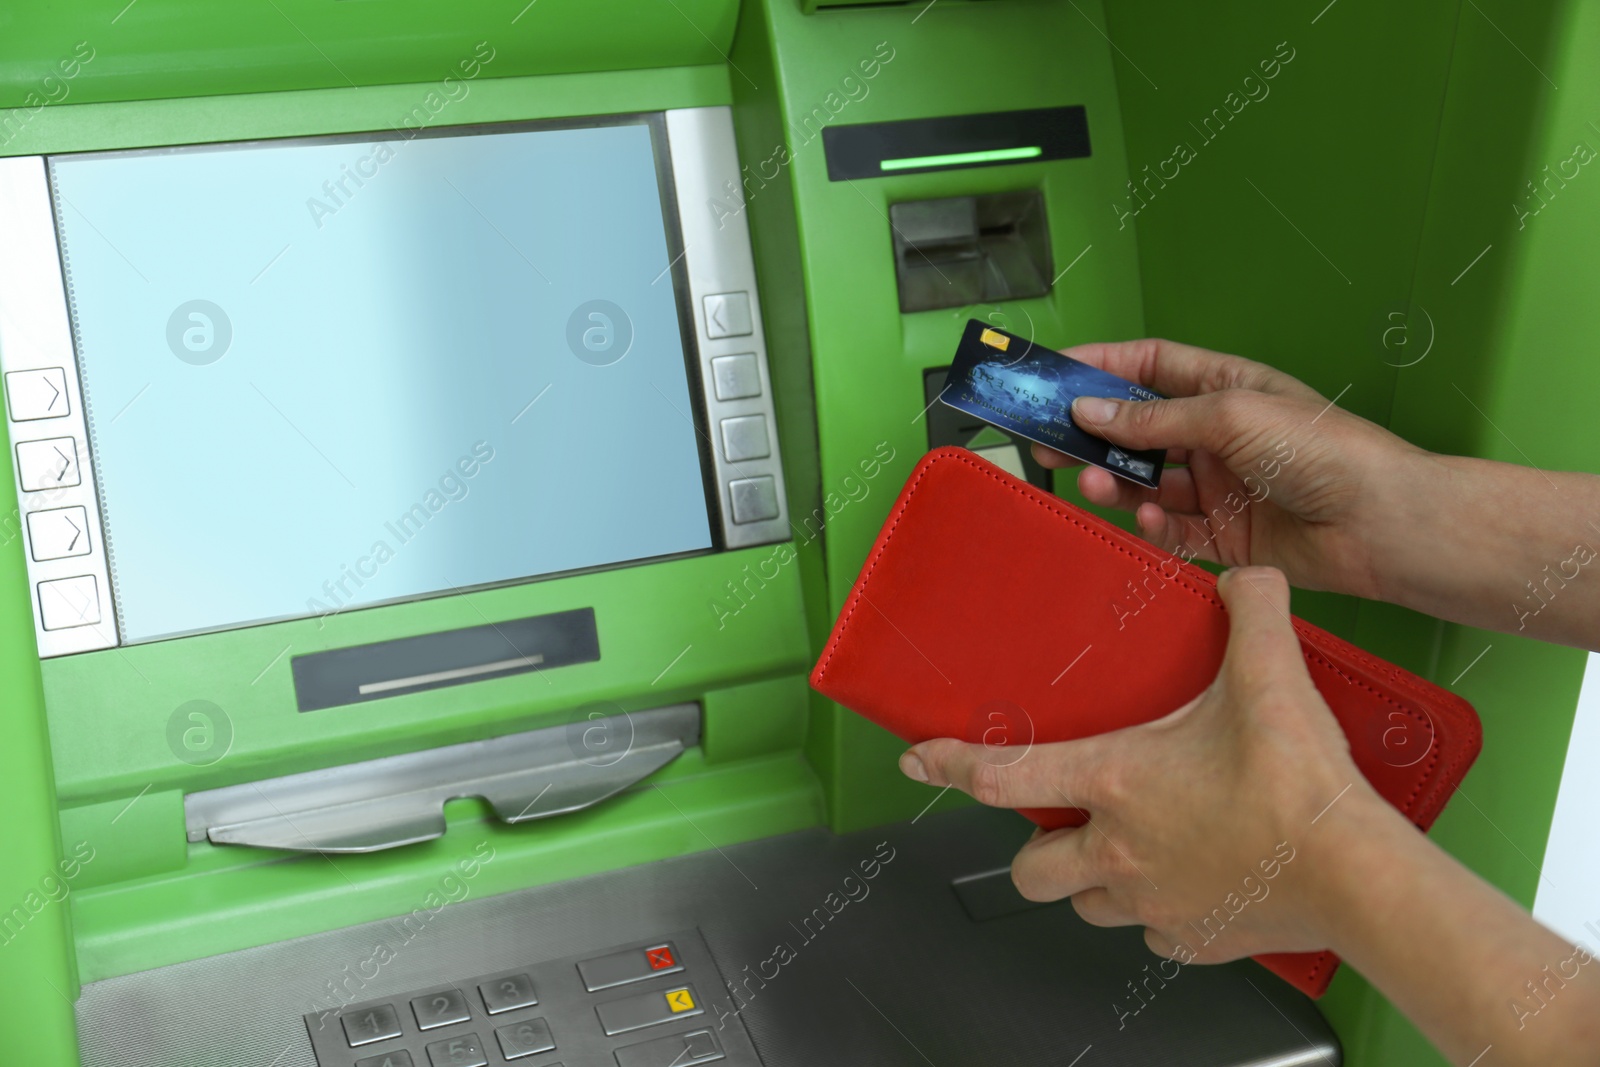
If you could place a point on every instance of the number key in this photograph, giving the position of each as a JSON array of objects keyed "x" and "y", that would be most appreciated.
[
  {"x": 506, "y": 994},
  {"x": 398, "y": 1058},
  {"x": 367, "y": 1025},
  {"x": 440, "y": 1009},
  {"x": 464, "y": 1051},
  {"x": 524, "y": 1038}
]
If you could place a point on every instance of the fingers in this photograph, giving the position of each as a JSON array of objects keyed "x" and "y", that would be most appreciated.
[
  {"x": 1180, "y": 534},
  {"x": 1161, "y": 944},
  {"x": 1184, "y": 370},
  {"x": 1054, "y": 865},
  {"x": 1097, "y": 908},
  {"x": 1050, "y": 459},
  {"x": 1045, "y": 776},
  {"x": 1240, "y": 427},
  {"x": 1176, "y": 492}
]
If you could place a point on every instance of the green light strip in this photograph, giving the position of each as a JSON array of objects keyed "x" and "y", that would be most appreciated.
[{"x": 957, "y": 159}]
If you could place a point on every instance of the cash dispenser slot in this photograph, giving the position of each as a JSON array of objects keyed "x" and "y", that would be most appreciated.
[
  {"x": 399, "y": 800},
  {"x": 341, "y": 676}
]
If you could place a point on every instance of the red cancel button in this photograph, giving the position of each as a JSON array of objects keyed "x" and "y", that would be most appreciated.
[{"x": 660, "y": 958}]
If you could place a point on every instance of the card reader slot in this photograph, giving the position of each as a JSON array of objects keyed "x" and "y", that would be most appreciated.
[
  {"x": 399, "y": 800},
  {"x": 952, "y": 142}
]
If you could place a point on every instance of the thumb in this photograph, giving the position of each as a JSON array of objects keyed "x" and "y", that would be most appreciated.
[
  {"x": 1263, "y": 649},
  {"x": 1232, "y": 424}
]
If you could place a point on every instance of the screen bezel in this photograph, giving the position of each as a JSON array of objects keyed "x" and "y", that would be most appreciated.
[{"x": 677, "y": 269}]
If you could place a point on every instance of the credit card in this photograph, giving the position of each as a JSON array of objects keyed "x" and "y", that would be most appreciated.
[{"x": 1028, "y": 389}]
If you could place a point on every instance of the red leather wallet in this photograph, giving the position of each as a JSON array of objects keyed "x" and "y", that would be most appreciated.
[{"x": 988, "y": 604}]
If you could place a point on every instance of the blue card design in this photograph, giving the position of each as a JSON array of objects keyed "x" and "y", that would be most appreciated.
[{"x": 1028, "y": 389}]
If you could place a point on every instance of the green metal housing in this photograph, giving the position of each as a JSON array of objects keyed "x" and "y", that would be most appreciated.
[{"x": 1392, "y": 148}]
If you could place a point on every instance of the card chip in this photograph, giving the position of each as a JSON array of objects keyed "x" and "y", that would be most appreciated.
[{"x": 995, "y": 339}]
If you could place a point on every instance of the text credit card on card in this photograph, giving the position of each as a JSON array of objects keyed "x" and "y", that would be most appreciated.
[{"x": 1028, "y": 389}]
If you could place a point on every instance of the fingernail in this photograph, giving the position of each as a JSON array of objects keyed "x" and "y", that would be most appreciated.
[
  {"x": 1095, "y": 410},
  {"x": 911, "y": 766}
]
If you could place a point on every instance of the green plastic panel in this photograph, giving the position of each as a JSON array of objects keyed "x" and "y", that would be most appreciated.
[
  {"x": 142, "y": 123},
  {"x": 149, "y": 49},
  {"x": 130, "y": 746},
  {"x": 38, "y": 975},
  {"x": 1381, "y": 168},
  {"x": 228, "y": 899},
  {"x": 1501, "y": 274},
  {"x": 884, "y": 63},
  {"x": 1333, "y": 227},
  {"x": 117, "y": 717}
]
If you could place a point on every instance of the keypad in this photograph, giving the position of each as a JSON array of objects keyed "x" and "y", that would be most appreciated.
[{"x": 638, "y": 1005}]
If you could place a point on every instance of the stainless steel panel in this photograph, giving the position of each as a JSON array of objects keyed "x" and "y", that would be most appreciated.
[
  {"x": 37, "y": 357},
  {"x": 725, "y": 302},
  {"x": 898, "y": 976}
]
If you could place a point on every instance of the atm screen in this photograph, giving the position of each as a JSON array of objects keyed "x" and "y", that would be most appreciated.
[{"x": 320, "y": 374}]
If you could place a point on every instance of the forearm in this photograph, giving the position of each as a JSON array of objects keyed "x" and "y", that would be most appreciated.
[
  {"x": 1468, "y": 966},
  {"x": 1491, "y": 545}
]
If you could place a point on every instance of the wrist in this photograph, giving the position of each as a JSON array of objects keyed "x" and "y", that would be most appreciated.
[
  {"x": 1415, "y": 554},
  {"x": 1355, "y": 859}
]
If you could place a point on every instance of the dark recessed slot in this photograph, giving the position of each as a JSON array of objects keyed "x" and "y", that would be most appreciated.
[
  {"x": 951, "y": 426},
  {"x": 954, "y": 142},
  {"x": 964, "y": 250},
  {"x": 451, "y": 657}
]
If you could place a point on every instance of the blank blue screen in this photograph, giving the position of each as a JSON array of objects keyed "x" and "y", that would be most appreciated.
[{"x": 416, "y": 391}]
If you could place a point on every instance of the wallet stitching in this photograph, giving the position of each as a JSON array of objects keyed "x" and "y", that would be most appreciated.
[{"x": 1426, "y": 780}]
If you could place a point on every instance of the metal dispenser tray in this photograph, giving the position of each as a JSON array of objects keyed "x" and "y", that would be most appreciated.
[{"x": 399, "y": 800}]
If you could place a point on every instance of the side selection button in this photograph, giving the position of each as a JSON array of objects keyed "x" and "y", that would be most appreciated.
[
  {"x": 68, "y": 602},
  {"x": 37, "y": 394},
  {"x": 678, "y": 1050},
  {"x": 745, "y": 437},
  {"x": 648, "y": 1009},
  {"x": 48, "y": 464},
  {"x": 728, "y": 315},
  {"x": 58, "y": 533},
  {"x": 736, "y": 377},
  {"x": 754, "y": 499},
  {"x": 630, "y": 965}
]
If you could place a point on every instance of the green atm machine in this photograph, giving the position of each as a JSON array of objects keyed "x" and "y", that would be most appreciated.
[{"x": 442, "y": 435}]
